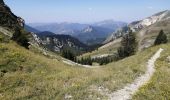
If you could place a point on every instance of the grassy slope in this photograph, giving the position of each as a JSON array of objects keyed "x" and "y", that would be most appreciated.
[
  {"x": 151, "y": 32},
  {"x": 159, "y": 86},
  {"x": 109, "y": 49},
  {"x": 33, "y": 76}
]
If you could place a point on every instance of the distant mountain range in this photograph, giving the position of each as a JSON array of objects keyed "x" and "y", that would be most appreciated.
[
  {"x": 93, "y": 35},
  {"x": 110, "y": 24},
  {"x": 59, "y": 28},
  {"x": 99, "y": 31},
  {"x": 31, "y": 29}
]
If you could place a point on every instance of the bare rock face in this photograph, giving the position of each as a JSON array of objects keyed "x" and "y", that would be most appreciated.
[
  {"x": 168, "y": 59},
  {"x": 139, "y": 25},
  {"x": 8, "y": 19},
  {"x": 21, "y": 21}
]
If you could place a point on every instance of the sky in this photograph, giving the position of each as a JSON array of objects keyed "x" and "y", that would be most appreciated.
[{"x": 85, "y": 11}]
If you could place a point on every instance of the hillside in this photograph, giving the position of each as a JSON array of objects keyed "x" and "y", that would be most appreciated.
[
  {"x": 107, "y": 49},
  {"x": 137, "y": 26},
  {"x": 146, "y": 33},
  {"x": 159, "y": 84},
  {"x": 164, "y": 15},
  {"x": 8, "y": 19},
  {"x": 38, "y": 77},
  {"x": 57, "y": 43},
  {"x": 149, "y": 34}
]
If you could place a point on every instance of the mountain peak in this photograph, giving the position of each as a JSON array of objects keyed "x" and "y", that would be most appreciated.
[
  {"x": 162, "y": 12},
  {"x": 88, "y": 29}
]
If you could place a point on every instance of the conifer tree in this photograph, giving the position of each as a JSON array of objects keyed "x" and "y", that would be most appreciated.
[
  {"x": 161, "y": 38},
  {"x": 128, "y": 45},
  {"x": 69, "y": 55}
]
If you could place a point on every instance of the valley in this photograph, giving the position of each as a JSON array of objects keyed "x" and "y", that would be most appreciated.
[
  {"x": 104, "y": 60},
  {"x": 56, "y": 76}
]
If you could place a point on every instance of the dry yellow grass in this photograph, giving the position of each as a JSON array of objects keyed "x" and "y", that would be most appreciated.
[
  {"x": 159, "y": 86},
  {"x": 33, "y": 76}
]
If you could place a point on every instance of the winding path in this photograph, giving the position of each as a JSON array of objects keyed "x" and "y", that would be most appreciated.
[{"x": 129, "y": 90}]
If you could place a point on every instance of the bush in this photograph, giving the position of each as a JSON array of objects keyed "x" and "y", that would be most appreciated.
[
  {"x": 104, "y": 60},
  {"x": 85, "y": 61},
  {"x": 161, "y": 38},
  {"x": 101, "y": 61},
  {"x": 20, "y": 38},
  {"x": 69, "y": 55}
]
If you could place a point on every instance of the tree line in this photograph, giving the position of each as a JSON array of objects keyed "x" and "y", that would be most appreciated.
[{"x": 68, "y": 54}]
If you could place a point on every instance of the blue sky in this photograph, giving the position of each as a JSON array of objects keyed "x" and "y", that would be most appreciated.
[{"x": 85, "y": 11}]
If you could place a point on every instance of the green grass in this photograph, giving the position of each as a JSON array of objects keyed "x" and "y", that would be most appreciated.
[
  {"x": 159, "y": 86},
  {"x": 108, "y": 50},
  {"x": 28, "y": 75}
]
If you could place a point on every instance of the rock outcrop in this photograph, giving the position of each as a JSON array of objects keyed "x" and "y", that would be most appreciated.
[
  {"x": 136, "y": 26},
  {"x": 8, "y": 19}
]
